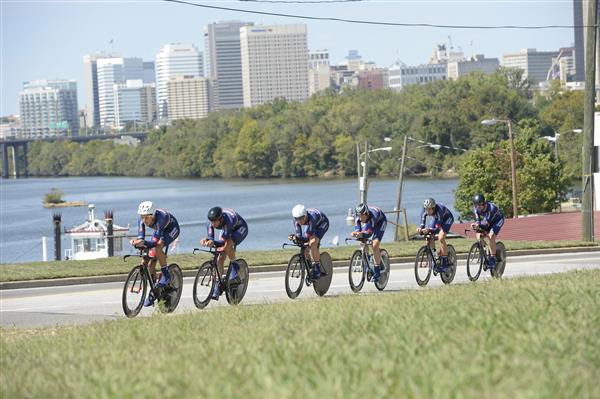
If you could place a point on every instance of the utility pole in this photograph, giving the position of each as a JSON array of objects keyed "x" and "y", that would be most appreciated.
[
  {"x": 587, "y": 214},
  {"x": 400, "y": 182},
  {"x": 364, "y": 183},
  {"x": 513, "y": 170},
  {"x": 358, "y": 172}
]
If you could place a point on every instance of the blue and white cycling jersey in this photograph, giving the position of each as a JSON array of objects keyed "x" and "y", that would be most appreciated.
[
  {"x": 234, "y": 227},
  {"x": 318, "y": 224},
  {"x": 441, "y": 218},
  {"x": 165, "y": 227},
  {"x": 491, "y": 218},
  {"x": 375, "y": 225}
]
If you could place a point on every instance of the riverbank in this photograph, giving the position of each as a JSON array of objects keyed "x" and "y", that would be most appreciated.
[{"x": 258, "y": 260}]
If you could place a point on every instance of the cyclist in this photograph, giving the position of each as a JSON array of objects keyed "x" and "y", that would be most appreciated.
[
  {"x": 318, "y": 224},
  {"x": 371, "y": 221},
  {"x": 234, "y": 230},
  {"x": 166, "y": 230},
  {"x": 440, "y": 225},
  {"x": 489, "y": 219}
]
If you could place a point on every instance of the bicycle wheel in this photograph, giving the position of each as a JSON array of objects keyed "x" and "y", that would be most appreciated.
[
  {"x": 235, "y": 292},
  {"x": 172, "y": 292},
  {"x": 294, "y": 277},
  {"x": 498, "y": 271},
  {"x": 474, "y": 262},
  {"x": 321, "y": 285},
  {"x": 449, "y": 275},
  {"x": 134, "y": 292},
  {"x": 203, "y": 285},
  {"x": 385, "y": 274},
  {"x": 356, "y": 271},
  {"x": 423, "y": 266}
]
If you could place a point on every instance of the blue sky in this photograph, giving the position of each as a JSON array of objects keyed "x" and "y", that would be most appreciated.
[{"x": 47, "y": 39}]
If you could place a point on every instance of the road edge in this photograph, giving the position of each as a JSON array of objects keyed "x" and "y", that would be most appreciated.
[{"x": 111, "y": 278}]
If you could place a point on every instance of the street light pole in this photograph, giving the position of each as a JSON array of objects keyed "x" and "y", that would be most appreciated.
[
  {"x": 400, "y": 182},
  {"x": 364, "y": 183},
  {"x": 513, "y": 170}
]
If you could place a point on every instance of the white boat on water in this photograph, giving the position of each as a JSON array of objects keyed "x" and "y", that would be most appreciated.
[{"x": 89, "y": 241}]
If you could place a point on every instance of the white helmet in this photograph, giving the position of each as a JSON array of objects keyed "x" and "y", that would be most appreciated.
[
  {"x": 146, "y": 208},
  {"x": 299, "y": 211}
]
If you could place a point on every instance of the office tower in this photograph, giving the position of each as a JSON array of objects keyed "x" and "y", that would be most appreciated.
[
  {"x": 274, "y": 63},
  {"x": 113, "y": 71},
  {"x": 135, "y": 103},
  {"x": 149, "y": 73},
  {"x": 49, "y": 108},
  {"x": 478, "y": 63},
  {"x": 189, "y": 97},
  {"x": 173, "y": 60},
  {"x": 222, "y": 44},
  {"x": 401, "y": 74},
  {"x": 90, "y": 78},
  {"x": 535, "y": 64}
]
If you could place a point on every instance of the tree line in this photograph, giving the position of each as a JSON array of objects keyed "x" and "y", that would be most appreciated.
[{"x": 318, "y": 137}]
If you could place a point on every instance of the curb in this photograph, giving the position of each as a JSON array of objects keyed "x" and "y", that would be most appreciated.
[{"x": 112, "y": 278}]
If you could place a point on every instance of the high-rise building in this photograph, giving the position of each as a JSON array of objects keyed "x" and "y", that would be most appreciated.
[
  {"x": 175, "y": 59},
  {"x": 535, "y": 64},
  {"x": 319, "y": 71},
  {"x": 113, "y": 71},
  {"x": 401, "y": 75},
  {"x": 222, "y": 44},
  {"x": 274, "y": 63},
  {"x": 189, "y": 97},
  {"x": 353, "y": 60},
  {"x": 49, "y": 108},
  {"x": 317, "y": 58},
  {"x": 90, "y": 77},
  {"x": 444, "y": 53},
  {"x": 149, "y": 74},
  {"x": 477, "y": 63},
  {"x": 135, "y": 102},
  {"x": 578, "y": 40}
]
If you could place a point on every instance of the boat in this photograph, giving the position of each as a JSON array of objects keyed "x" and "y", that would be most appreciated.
[{"x": 89, "y": 240}]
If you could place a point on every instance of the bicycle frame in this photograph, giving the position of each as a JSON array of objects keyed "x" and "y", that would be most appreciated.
[
  {"x": 365, "y": 244},
  {"x": 303, "y": 246},
  {"x": 430, "y": 238},
  {"x": 143, "y": 254},
  {"x": 483, "y": 245},
  {"x": 215, "y": 253}
]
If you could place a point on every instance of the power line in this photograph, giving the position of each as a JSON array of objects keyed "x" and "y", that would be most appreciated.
[
  {"x": 365, "y": 22},
  {"x": 300, "y": 2}
]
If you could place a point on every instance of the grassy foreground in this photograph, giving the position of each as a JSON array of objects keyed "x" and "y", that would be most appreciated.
[
  {"x": 518, "y": 338},
  {"x": 115, "y": 265}
]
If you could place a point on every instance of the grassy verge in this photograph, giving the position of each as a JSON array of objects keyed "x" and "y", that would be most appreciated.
[
  {"x": 527, "y": 338},
  {"x": 106, "y": 266}
]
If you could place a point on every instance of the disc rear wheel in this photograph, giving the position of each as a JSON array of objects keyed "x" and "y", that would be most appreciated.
[
  {"x": 172, "y": 292},
  {"x": 498, "y": 271},
  {"x": 449, "y": 275},
  {"x": 385, "y": 274},
  {"x": 235, "y": 291}
]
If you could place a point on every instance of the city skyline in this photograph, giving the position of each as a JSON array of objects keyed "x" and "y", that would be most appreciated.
[{"x": 35, "y": 46}]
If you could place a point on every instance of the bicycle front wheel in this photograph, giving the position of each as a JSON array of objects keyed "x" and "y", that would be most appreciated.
[
  {"x": 498, "y": 271},
  {"x": 134, "y": 292},
  {"x": 356, "y": 271},
  {"x": 172, "y": 293},
  {"x": 423, "y": 266},
  {"x": 474, "y": 262},
  {"x": 235, "y": 292},
  {"x": 449, "y": 275},
  {"x": 203, "y": 285},
  {"x": 385, "y": 274},
  {"x": 294, "y": 277}
]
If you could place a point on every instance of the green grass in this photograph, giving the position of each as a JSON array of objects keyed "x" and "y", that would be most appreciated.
[
  {"x": 115, "y": 265},
  {"x": 516, "y": 338}
]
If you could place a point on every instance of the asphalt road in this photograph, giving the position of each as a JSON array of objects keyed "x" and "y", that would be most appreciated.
[{"x": 81, "y": 304}]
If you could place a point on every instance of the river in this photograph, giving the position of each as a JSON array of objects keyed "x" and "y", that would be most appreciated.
[{"x": 265, "y": 204}]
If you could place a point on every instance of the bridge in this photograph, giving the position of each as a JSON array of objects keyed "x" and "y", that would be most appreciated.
[{"x": 18, "y": 148}]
